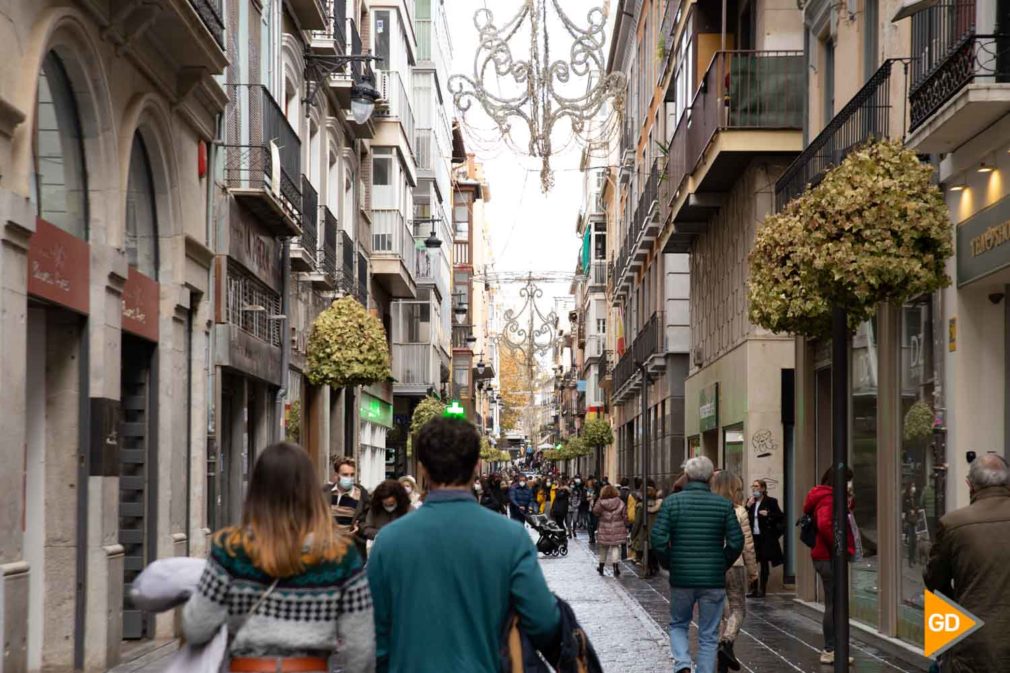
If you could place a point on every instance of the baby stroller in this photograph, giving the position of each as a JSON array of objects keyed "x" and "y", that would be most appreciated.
[{"x": 553, "y": 539}]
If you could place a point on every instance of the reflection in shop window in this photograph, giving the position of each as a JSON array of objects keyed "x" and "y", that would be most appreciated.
[
  {"x": 59, "y": 189},
  {"x": 732, "y": 449},
  {"x": 864, "y": 589},
  {"x": 921, "y": 481}
]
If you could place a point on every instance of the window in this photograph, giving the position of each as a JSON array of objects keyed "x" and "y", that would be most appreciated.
[
  {"x": 383, "y": 31},
  {"x": 828, "y": 80},
  {"x": 141, "y": 215},
  {"x": 461, "y": 214},
  {"x": 60, "y": 185},
  {"x": 871, "y": 17},
  {"x": 382, "y": 170}
]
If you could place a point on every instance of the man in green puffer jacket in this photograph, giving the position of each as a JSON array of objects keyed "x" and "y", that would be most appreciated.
[{"x": 698, "y": 538}]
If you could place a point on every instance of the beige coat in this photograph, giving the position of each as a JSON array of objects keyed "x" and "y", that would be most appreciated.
[{"x": 747, "y": 558}]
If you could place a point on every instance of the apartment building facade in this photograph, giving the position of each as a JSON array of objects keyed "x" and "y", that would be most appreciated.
[{"x": 647, "y": 285}]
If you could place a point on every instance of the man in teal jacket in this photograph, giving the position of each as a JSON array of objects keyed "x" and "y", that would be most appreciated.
[
  {"x": 444, "y": 577},
  {"x": 697, "y": 536}
]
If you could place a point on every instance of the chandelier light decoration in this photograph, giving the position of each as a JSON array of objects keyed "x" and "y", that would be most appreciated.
[
  {"x": 532, "y": 88},
  {"x": 528, "y": 332}
]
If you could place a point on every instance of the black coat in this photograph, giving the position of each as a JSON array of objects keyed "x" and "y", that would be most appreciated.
[
  {"x": 570, "y": 653},
  {"x": 766, "y": 545}
]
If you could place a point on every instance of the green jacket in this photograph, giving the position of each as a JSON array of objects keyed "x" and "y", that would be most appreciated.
[
  {"x": 697, "y": 536},
  {"x": 443, "y": 579}
]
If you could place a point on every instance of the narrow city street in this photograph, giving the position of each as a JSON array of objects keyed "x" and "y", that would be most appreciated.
[{"x": 627, "y": 620}]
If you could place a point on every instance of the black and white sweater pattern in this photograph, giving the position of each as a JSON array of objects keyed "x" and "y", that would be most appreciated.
[{"x": 326, "y": 609}]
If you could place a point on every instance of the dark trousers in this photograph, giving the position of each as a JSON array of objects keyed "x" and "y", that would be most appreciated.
[
  {"x": 823, "y": 569},
  {"x": 517, "y": 515},
  {"x": 593, "y": 523},
  {"x": 560, "y": 520},
  {"x": 763, "y": 562}
]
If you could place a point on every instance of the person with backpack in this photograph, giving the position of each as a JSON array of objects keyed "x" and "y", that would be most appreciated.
[
  {"x": 287, "y": 581},
  {"x": 818, "y": 529}
]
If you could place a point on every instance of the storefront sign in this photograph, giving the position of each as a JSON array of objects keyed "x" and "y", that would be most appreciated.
[
  {"x": 140, "y": 305},
  {"x": 243, "y": 352},
  {"x": 58, "y": 267},
  {"x": 254, "y": 247},
  {"x": 983, "y": 242},
  {"x": 708, "y": 408},
  {"x": 376, "y": 411}
]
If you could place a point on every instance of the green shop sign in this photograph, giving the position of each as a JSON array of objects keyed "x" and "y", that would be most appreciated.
[
  {"x": 708, "y": 408},
  {"x": 376, "y": 411},
  {"x": 983, "y": 243}
]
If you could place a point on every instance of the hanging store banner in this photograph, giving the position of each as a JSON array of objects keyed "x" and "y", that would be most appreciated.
[
  {"x": 708, "y": 408},
  {"x": 140, "y": 305},
  {"x": 983, "y": 243},
  {"x": 59, "y": 267}
]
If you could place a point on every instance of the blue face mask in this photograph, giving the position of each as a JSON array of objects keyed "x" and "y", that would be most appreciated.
[{"x": 346, "y": 483}]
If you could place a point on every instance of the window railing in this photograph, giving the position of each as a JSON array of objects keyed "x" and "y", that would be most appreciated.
[
  {"x": 865, "y": 116},
  {"x": 392, "y": 236},
  {"x": 252, "y": 306},
  {"x": 598, "y": 272},
  {"x": 362, "y": 290},
  {"x": 309, "y": 239},
  {"x": 330, "y": 227},
  {"x": 347, "y": 259},
  {"x": 336, "y": 25},
  {"x": 432, "y": 265},
  {"x": 651, "y": 340},
  {"x": 251, "y": 167},
  {"x": 396, "y": 103},
  {"x": 210, "y": 13}
]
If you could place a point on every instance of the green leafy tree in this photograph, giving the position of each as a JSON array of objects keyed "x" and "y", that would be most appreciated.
[
  {"x": 347, "y": 347},
  {"x": 427, "y": 409},
  {"x": 875, "y": 229},
  {"x": 597, "y": 433}
]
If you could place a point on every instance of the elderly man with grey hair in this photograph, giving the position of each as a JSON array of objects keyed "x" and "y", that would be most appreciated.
[
  {"x": 698, "y": 538},
  {"x": 970, "y": 563}
]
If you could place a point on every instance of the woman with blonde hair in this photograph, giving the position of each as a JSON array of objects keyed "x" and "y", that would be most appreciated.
[
  {"x": 739, "y": 576},
  {"x": 287, "y": 583},
  {"x": 410, "y": 486}
]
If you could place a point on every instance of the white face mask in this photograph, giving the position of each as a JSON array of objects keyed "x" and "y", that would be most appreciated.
[
  {"x": 408, "y": 489},
  {"x": 522, "y": 484},
  {"x": 389, "y": 508},
  {"x": 477, "y": 487}
]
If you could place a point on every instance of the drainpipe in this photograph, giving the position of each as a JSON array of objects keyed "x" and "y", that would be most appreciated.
[
  {"x": 282, "y": 392},
  {"x": 210, "y": 235}
]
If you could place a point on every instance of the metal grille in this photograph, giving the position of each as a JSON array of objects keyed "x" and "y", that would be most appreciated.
[
  {"x": 250, "y": 305},
  {"x": 329, "y": 263},
  {"x": 309, "y": 239},
  {"x": 362, "y": 293},
  {"x": 210, "y": 13}
]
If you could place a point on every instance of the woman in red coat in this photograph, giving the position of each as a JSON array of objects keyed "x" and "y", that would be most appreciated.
[{"x": 819, "y": 506}]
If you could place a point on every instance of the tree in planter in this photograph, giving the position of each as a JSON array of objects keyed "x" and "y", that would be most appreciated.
[
  {"x": 427, "y": 409},
  {"x": 876, "y": 229},
  {"x": 347, "y": 347},
  {"x": 596, "y": 435}
]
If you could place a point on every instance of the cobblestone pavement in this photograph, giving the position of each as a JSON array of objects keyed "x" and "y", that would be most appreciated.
[{"x": 776, "y": 637}]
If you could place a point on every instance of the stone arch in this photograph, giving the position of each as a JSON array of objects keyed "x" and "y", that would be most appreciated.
[
  {"x": 148, "y": 115},
  {"x": 66, "y": 32}
]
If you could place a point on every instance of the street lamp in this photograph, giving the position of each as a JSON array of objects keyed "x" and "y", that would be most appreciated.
[
  {"x": 460, "y": 312},
  {"x": 363, "y": 97},
  {"x": 481, "y": 367}
]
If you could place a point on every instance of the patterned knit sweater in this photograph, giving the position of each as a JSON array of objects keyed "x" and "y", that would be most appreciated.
[{"x": 326, "y": 609}]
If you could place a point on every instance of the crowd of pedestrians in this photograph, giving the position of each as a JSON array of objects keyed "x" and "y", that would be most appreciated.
[{"x": 339, "y": 579}]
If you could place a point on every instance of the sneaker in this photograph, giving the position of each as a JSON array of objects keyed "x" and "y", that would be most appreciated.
[{"x": 828, "y": 657}]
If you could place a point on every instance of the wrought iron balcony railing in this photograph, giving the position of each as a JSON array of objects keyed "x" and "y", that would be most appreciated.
[
  {"x": 347, "y": 260},
  {"x": 309, "y": 240},
  {"x": 210, "y": 13},
  {"x": 866, "y": 115},
  {"x": 970, "y": 58},
  {"x": 328, "y": 263},
  {"x": 336, "y": 25},
  {"x": 251, "y": 167},
  {"x": 362, "y": 290}
]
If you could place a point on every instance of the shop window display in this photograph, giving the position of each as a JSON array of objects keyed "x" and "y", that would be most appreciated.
[{"x": 865, "y": 587}]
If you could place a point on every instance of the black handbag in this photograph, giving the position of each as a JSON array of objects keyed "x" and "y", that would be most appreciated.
[{"x": 808, "y": 530}]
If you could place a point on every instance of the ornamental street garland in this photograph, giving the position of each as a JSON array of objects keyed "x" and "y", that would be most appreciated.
[
  {"x": 347, "y": 347},
  {"x": 875, "y": 229}
]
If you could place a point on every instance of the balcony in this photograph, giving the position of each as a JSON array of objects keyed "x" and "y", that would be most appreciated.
[
  {"x": 331, "y": 40},
  {"x": 432, "y": 265},
  {"x": 361, "y": 293},
  {"x": 188, "y": 35},
  {"x": 394, "y": 103},
  {"x": 260, "y": 174},
  {"x": 867, "y": 115},
  {"x": 597, "y": 275},
  {"x": 416, "y": 368},
  {"x": 304, "y": 248},
  {"x": 648, "y": 349},
  {"x": 960, "y": 80},
  {"x": 326, "y": 274},
  {"x": 749, "y": 103},
  {"x": 310, "y": 14},
  {"x": 393, "y": 254},
  {"x": 642, "y": 233}
]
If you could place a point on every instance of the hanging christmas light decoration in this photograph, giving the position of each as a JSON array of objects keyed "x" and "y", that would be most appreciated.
[{"x": 537, "y": 91}]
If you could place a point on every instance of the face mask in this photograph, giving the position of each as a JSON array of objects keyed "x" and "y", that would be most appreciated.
[
  {"x": 548, "y": 483},
  {"x": 756, "y": 494},
  {"x": 522, "y": 484},
  {"x": 408, "y": 489},
  {"x": 578, "y": 482},
  {"x": 389, "y": 508},
  {"x": 477, "y": 488},
  {"x": 346, "y": 483}
]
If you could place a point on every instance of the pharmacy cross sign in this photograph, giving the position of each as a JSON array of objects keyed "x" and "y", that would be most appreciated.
[{"x": 455, "y": 410}]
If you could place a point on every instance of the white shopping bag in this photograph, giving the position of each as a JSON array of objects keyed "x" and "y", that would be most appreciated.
[
  {"x": 207, "y": 658},
  {"x": 166, "y": 583}
]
